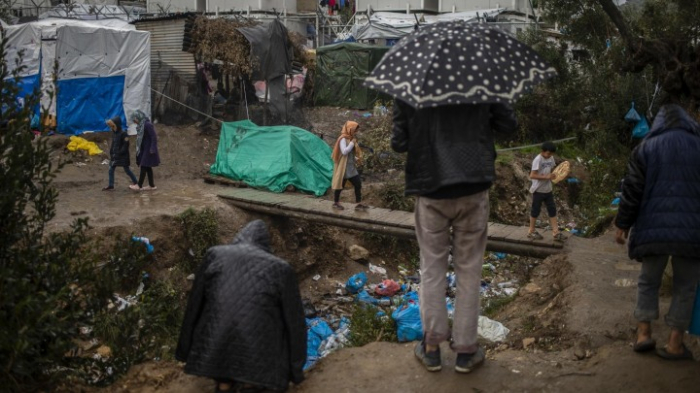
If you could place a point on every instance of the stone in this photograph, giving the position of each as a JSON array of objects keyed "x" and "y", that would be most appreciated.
[
  {"x": 528, "y": 341},
  {"x": 104, "y": 351},
  {"x": 190, "y": 277},
  {"x": 530, "y": 288},
  {"x": 358, "y": 253}
]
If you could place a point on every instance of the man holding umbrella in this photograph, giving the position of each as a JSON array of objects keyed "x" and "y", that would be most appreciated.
[{"x": 454, "y": 83}]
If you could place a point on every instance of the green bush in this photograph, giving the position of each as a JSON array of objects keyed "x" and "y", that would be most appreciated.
[
  {"x": 201, "y": 232},
  {"x": 49, "y": 287}
]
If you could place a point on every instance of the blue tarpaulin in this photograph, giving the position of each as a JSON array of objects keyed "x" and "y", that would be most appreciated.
[{"x": 83, "y": 104}]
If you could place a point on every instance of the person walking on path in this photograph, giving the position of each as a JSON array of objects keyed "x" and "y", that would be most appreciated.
[
  {"x": 541, "y": 190},
  {"x": 146, "y": 150},
  {"x": 244, "y": 324},
  {"x": 345, "y": 163},
  {"x": 449, "y": 168},
  {"x": 660, "y": 213},
  {"x": 118, "y": 152}
]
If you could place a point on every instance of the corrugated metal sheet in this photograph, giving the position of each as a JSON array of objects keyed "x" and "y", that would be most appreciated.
[
  {"x": 172, "y": 69},
  {"x": 166, "y": 50}
]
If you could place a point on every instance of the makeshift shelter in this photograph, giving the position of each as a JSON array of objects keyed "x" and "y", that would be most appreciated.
[
  {"x": 340, "y": 71},
  {"x": 98, "y": 69},
  {"x": 273, "y": 157}
]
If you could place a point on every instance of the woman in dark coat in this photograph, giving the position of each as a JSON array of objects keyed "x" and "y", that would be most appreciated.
[
  {"x": 660, "y": 211},
  {"x": 118, "y": 152},
  {"x": 244, "y": 323},
  {"x": 146, "y": 150}
]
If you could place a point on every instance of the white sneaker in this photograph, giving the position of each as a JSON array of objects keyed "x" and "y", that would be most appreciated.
[{"x": 135, "y": 187}]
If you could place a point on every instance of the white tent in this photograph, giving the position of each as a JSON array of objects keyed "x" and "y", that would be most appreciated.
[
  {"x": 103, "y": 69},
  {"x": 393, "y": 25}
]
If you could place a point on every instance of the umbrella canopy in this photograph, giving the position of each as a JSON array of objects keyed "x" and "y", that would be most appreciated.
[{"x": 456, "y": 62}]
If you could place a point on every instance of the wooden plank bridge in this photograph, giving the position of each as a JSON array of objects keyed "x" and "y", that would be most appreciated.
[{"x": 501, "y": 238}]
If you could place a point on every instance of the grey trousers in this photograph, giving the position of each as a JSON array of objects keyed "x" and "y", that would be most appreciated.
[
  {"x": 468, "y": 218},
  {"x": 686, "y": 274}
]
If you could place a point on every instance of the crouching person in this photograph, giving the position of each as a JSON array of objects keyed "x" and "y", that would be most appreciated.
[{"x": 244, "y": 325}]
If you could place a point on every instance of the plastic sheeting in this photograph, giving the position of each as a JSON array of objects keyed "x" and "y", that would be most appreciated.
[
  {"x": 340, "y": 71},
  {"x": 87, "y": 50},
  {"x": 274, "y": 157},
  {"x": 85, "y": 103},
  {"x": 269, "y": 44},
  {"x": 95, "y": 52}
]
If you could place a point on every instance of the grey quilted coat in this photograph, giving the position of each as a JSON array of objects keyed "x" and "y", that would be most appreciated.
[{"x": 244, "y": 319}]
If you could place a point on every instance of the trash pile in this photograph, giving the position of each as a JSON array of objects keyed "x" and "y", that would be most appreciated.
[{"x": 328, "y": 324}]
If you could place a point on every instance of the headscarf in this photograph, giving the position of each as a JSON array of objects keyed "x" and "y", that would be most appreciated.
[
  {"x": 117, "y": 122},
  {"x": 141, "y": 118},
  {"x": 348, "y": 132}
]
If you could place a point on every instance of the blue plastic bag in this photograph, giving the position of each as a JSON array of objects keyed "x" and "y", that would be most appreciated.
[
  {"x": 409, "y": 327},
  {"x": 641, "y": 129},
  {"x": 365, "y": 297},
  {"x": 318, "y": 330},
  {"x": 411, "y": 297},
  {"x": 319, "y": 327},
  {"x": 632, "y": 116},
  {"x": 356, "y": 282}
]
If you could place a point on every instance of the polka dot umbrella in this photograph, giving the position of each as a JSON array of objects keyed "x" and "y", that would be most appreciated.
[{"x": 456, "y": 62}]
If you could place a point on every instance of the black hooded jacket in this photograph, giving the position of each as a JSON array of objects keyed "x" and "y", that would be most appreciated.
[
  {"x": 244, "y": 319},
  {"x": 119, "y": 151},
  {"x": 449, "y": 145},
  {"x": 661, "y": 192}
]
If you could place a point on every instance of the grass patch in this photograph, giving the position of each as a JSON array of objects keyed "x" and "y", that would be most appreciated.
[
  {"x": 201, "y": 232},
  {"x": 392, "y": 196},
  {"x": 491, "y": 307},
  {"x": 366, "y": 327}
]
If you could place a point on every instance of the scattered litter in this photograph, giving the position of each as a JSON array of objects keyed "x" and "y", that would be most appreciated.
[
  {"x": 321, "y": 340},
  {"x": 500, "y": 255},
  {"x": 144, "y": 240},
  {"x": 190, "y": 277},
  {"x": 365, "y": 297},
  {"x": 515, "y": 371},
  {"x": 309, "y": 309},
  {"x": 491, "y": 330},
  {"x": 377, "y": 269},
  {"x": 317, "y": 277},
  {"x": 79, "y": 164},
  {"x": 409, "y": 327},
  {"x": 356, "y": 282},
  {"x": 625, "y": 282},
  {"x": 573, "y": 180},
  {"x": 104, "y": 162},
  {"x": 387, "y": 288}
]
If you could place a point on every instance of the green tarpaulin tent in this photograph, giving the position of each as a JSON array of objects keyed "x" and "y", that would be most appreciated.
[
  {"x": 273, "y": 157},
  {"x": 340, "y": 71}
]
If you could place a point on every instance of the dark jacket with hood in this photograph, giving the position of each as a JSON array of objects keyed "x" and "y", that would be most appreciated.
[
  {"x": 244, "y": 319},
  {"x": 119, "y": 151},
  {"x": 661, "y": 191},
  {"x": 449, "y": 145}
]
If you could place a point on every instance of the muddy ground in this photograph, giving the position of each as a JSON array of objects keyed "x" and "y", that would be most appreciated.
[{"x": 571, "y": 325}]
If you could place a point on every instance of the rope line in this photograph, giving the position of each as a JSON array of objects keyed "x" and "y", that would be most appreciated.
[
  {"x": 186, "y": 106},
  {"x": 536, "y": 144}
]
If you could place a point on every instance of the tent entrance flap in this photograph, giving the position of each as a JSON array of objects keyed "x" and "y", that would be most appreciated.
[{"x": 83, "y": 104}]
